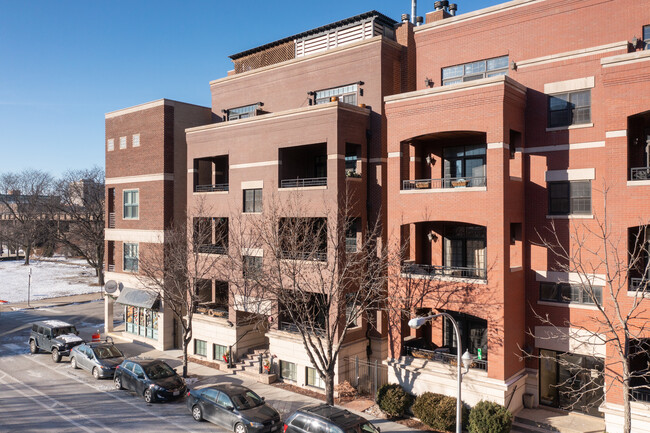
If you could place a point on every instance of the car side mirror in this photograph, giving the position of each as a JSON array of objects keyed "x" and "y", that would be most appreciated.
[
  {"x": 263, "y": 398},
  {"x": 231, "y": 408},
  {"x": 140, "y": 376}
]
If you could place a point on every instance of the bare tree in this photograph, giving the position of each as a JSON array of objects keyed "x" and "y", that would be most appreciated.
[
  {"x": 177, "y": 268},
  {"x": 320, "y": 275},
  {"x": 78, "y": 207},
  {"x": 23, "y": 198},
  {"x": 610, "y": 271}
]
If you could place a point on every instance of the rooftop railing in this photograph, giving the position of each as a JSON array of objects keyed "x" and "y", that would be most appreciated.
[
  {"x": 302, "y": 183},
  {"x": 447, "y": 182},
  {"x": 444, "y": 271}
]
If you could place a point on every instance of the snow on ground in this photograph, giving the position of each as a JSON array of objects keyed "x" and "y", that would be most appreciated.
[{"x": 49, "y": 280}]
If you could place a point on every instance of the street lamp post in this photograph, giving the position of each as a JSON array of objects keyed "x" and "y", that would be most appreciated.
[{"x": 465, "y": 359}]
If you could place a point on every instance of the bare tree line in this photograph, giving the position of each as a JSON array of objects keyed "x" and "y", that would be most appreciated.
[{"x": 40, "y": 211}]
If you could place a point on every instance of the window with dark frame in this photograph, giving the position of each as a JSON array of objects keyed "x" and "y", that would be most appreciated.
[
  {"x": 288, "y": 370},
  {"x": 313, "y": 378},
  {"x": 131, "y": 203},
  {"x": 131, "y": 257},
  {"x": 646, "y": 37},
  {"x": 571, "y": 108},
  {"x": 251, "y": 265},
  {"x": 347, "y": 94},
  {"x": 569, "y": 197},
  {"x": 252, "y": 200},
  {"x": 569, "y": 293},
  {"x": 200, "y": 348},
  {"x": 219, "y": 351},
  {"x": 242, "y": 112},
  {"x": 475, "y": 70}
]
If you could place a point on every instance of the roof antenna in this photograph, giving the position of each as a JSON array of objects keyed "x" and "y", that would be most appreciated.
[{"x": 414, "y": 10}]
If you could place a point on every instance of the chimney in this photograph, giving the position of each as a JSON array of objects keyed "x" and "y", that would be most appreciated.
[
  {"x": 442, "y": 10},
  {"x": 406, "y": 18},
  {"x": 414, "y": 10},
  {"x": 453, "y": 7}
]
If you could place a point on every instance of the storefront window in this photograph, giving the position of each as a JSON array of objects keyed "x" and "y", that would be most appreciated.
[{"x": 141, "y": 321}]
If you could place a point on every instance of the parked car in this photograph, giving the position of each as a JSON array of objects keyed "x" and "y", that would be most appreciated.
[
  {"x": 53, "y": 336},
  {"x": 100, "y": 358},
  {"x": 151, "y": 378},
  {"x": 323, "y": 418},
  {"x": 234, "y": 407}
]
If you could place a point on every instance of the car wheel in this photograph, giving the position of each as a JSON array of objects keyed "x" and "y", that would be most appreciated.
[
  {"x": 240, "y": 428},
  {"x": 56, "y": 356},
  {"x": 96, "y": 373},
  {"x": 197, "y": 413},
  {"x": 73, "y": 363},
  {"x": 33, "y": 348},
  {"x": 148, "y": 396},
  {"x": 118, "y": 382}
]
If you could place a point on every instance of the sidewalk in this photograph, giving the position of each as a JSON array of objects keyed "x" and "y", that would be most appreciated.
[
  {"x": 53, "y": 302},
  {"x": 286, "y": 402}
]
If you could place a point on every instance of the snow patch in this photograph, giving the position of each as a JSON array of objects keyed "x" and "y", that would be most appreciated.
[
  {"x": 69, "y": 338},
  {"x": 56, "y": 323}
]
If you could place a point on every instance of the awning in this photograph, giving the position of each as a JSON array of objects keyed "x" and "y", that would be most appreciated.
[{"x": 138, "y": 298}]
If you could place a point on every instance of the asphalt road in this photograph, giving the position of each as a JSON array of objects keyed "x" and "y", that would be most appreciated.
[{"x": 37, "y": 395}]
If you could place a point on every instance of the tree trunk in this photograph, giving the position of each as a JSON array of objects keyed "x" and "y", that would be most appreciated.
[
  {"x": 100, "y": 274},
  {"x": 28, "y": 252},
  {"x": 627, "y": 412},
  {"x": 185, "y": 342},
  {"x": 329, "y": 387}
]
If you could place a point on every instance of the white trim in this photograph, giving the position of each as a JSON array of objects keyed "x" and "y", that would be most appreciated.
[
  {"x": 569, "y": 85},
  {"x": 394, "y": 154},
  {"x": 444, "y": 190},
  {"x": 573, "y": 340},
  {"x": 254, "y": 164},
  {"x": 192, "y": 170},
  {"x": 638, "y": 182},
  {"x": 499, "y": 145},
  {"x": 306, "y": 188},
  {"x": 516, "y": 179},
  {"x": 569, "y": 217},
  {"x": 415, "y": 159},
  {"x": 568, "y": 277},
  {"x": 571, "y": 174},
  {"x": 625, "y": 59},
  {"x": 568, "y": 305},
  {"x": 253, "y": 252},
  {"x": 335, "y": 156},
  {"x": 140, "y": 178},
  {"x": 568, "y": 127},
  {"x": 570, "y": 55},
  {"x": 135, "y": 108},
  {"x": 615, "y": 134},
  {"x": 252, "y": 184},
  {"x": 133, "y": 235},
  {"x": 562, "y": 147}
]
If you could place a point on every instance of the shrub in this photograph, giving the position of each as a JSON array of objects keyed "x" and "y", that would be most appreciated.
[
  {"x": 393, "y": 400},
  {"x": 438, "y": 411},
  {"x": 489, "y": 417}
]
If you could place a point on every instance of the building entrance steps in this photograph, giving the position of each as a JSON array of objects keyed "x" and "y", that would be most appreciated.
[{"x": 545, "y": 420}]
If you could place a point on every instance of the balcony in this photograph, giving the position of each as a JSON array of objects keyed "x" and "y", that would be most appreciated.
[
  {"x": 111, "y": 220},
  {"x": 320, "y": 256},
  {"x": 211, "y": 188},
  {"x": 444, "y": 183},
  {"x": 212, "y": 249},
  {"x": 638, "y": 133},
  {"x": 294, "y": 329},
  {"x": 303, "y": 183},
  {"x": 443, "y": 356},
  {"x": 211, "y": 174},
  {"x": 444, "y": 271}
]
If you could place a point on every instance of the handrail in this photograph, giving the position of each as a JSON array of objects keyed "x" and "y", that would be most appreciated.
[
  {"x": 447, "y": 182},
  {"x": 293, "y": 328},
  {"x": 212, "y": 249},
  {"x": 320, "y": 256},
  {"x": 443, "y": 357},
  {"x": 211, "y": 188},
  {"x": 446, "y": 271},
  {"x": 305, "y": 182},
  {"x": 640, "y": 173}
]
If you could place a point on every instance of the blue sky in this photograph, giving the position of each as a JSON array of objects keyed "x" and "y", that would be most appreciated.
[{"x": 64, "y": 63}]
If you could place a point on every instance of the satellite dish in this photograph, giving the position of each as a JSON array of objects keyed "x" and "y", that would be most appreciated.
[{"x": 113, "y": 288}]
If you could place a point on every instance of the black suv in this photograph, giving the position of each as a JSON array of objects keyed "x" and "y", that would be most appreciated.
[
  {"x": 323, "y": 418},
  {"x": 151, "y": 378},
  {"x": 53, "y": 336}
]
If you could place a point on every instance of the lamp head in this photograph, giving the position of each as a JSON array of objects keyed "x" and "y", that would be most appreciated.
[
  {"x": 417, "y": 322},
  {"x": 466, "y": 359}
]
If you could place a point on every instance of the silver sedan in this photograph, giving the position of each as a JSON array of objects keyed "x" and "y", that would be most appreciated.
[{"x": 100, "y": 358}]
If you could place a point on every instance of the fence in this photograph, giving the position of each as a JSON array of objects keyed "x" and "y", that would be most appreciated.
[{"x": 366, "y": 377}]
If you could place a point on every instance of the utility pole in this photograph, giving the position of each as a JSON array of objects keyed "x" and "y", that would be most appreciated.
[{"x": 29, "y": 286}]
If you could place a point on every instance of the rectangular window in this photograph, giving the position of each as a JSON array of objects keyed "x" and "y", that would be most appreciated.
[
  {"x": 131, "y": 257},
  {"x": 347, "y": 94},
  {"x": 131, "y": 204},
  {"x": 200, "y": 348},
  {"x": 219, "y": 351},
  {"x": 252, "y": 200},
  {"x": 313, "y": 379},
  {"x": 110, "y": 144},
  {"x": 569, "y": 293},
  {"x": 136, "y": 140},
  {"x": 243, "y": 112},
  {"x": 252, "y": 265},
  {"x": 646, "y": 37},
  {"x": 569, "y": 197},
  {"x": 122, "y": 142},
  {"x": 572, "y": 108},
  {"x": 288, "y": 371},
  {"x": 475, "y": 70}
]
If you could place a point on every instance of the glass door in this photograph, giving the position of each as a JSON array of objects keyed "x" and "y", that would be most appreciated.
[{"x": 548, "y": 394}]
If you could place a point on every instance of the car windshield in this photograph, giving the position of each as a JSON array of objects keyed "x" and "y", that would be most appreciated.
[
  {"x": 247, "y": 400},
  {"x": 159, "y": 370},
  {"x": 368, "y": 428},
  {"x": 107, "y": 352},
  {"x": 62, "y": 331}
]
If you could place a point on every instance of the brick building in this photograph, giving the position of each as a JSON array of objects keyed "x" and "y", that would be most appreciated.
[{"x": 465, "y": 136}]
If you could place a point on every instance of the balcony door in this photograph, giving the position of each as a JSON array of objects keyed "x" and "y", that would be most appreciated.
[
  {"x": 464, "y": 247},
  {"x": 465, "y": 162}
]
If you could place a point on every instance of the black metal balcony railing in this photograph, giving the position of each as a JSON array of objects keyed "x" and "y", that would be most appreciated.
[
  {"x": 212, "y": 249},
  {"x": 638, "y": 284},
  {"x": 443, "y": 356},
  {"x": 640, "y": 394},
  {"x": 320, "y": 256},
  {"x": 302, "y": 183},
  {"x": 211, "y": 188},
  {"x": 444, "y": 271},
  {"x": 111, "y": 267},
  {"x": 293, "y": 328},
  {"x": 447, "y": 182},
  {"x": 111, "y": 220},
  {"x": 351, "y": 245},
  {"x": 640, "y": 173}
]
